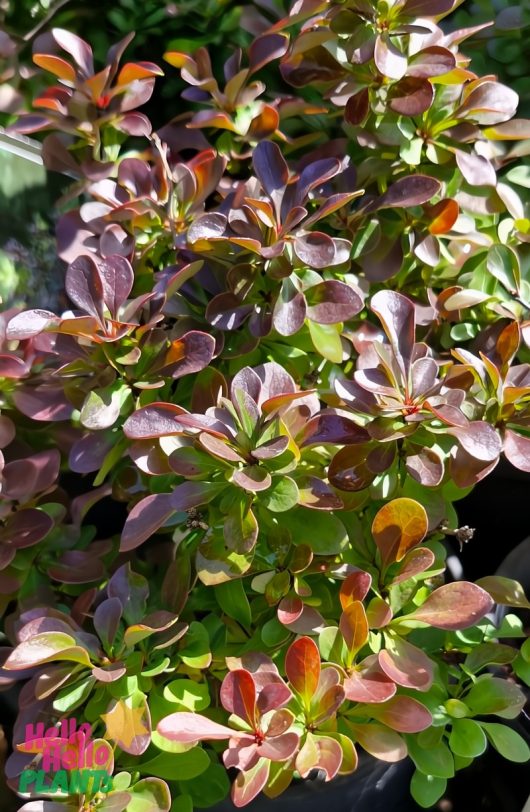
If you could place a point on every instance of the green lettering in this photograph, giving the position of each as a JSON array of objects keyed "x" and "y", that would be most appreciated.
[
  {"x": 26, "y": 778},
  {"x": 60, "y": 782}
]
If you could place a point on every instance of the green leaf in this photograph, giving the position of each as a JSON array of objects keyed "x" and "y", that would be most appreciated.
[
  {"x": 522, "y": 669},
  {"x": 427, "y": 789},
  {"x": 436, "y": 761},
  {"x": 274, "y": 634},
  {"x": 507, "y": 742},
  {"x": 495, "y": 695},
  {"x": 102, "y": 407},
  {"x": 467, "y": 738},
  {"x": 211, "y": 789},
  {"x": 322, "y": 531},
  {"x": 233, "y": 600},
  {"x": 196, "y": 651},
  {"x": 44, "y": 648},
  {"x": 149, "y": 795},
  {"x": 188, "y": 694},
  {"x": 170, "y": 765},
  {"x": 326, "y": 341},
  {"x": 71, "y": 697},
  {"x": 281, "y": 496},
  {"x": 503, "y": 264},
  {"x": 183, "y": 803}
]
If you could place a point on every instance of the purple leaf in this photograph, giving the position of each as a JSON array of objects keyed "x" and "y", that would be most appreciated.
[
  {"x": 30, "y": 323},
  {"x": 431, "y": 61},
  {"x": 26, "y": 528},
  {"x": 410, "y": 191},
  {"x": 479, "y": 439},
  {"x": 331, "y": 302},
  {"x": 107, "y": 620},
  {"x": 266, "y": 48},
  {"x": 84, "y": 286},
  {"x": 330, "y": 427},
  {"x": 397, "y": 316},
  {"x": 145, "y": 518},
  {"x": 426, "y": 467},
  {"x": 315, "y": 249},
  {"x": 46, "y": 403},
  {"x": 117, "y": 277},
  {"x": 192, "y": 494},
  {"x": 316, "y": 494},
  {"x": 156, "y": 420},
  {"x": 389, "y": 60},
  {"x": 252, "y": 478},
  {"x": 477, "y": 171},
  {"x": 411, "y": 96},
  {"x": 415, "y": 562},
  {"x": 272, "y": 172},
  {"x": 289, "y": 310}
]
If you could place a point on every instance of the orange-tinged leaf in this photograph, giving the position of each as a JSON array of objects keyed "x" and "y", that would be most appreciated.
[
  {"x": 178, "y": 59},
  {"x": 125, "y": 724},
  {"x": 397, "y": 527},
  {"x": 444, "y": 215},
  {"x": 302, "y": 666},
  {"x": 176, "y": 352},
  {"x": 354, "y": 588},
  {"x": 133, "y": 71},
  {"x": 54, "y": 64},
  {"x": 354, "y": 628}
]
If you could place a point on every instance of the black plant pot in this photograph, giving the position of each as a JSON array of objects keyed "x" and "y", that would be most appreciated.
[
  {"x": 374, "y": 787},
  {"x": 496, "y": 508}
]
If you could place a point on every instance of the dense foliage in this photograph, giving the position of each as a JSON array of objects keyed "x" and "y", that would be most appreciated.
[{"x": 297, "y": 332}]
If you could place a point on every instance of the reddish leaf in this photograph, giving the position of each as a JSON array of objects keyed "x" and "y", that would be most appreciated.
[
  {"x": 248, "y": 784},
  {"x": 190, "y": 728},
  {"x": 517, "y": 450},
  {"x": 355, "y": 588},
  {"x": 302, "y": 666},
  {"x": 238, "y": 695},
  {"x": 369, "y": 684},
  {"x": 406, "y": 665},
  {"x": 403, "y": 714},
  {"x": 357, "y": 107},
  {"x": 415, "y": 562},
  {"x": 454, "y": 606},
  {"x": 380, "y": 742}
]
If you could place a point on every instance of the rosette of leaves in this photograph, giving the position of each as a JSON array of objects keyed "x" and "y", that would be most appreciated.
[
  {"x": 409, "y": 411},
  {"x": 150, "y": 202},
  {"x": 103, "y": 351},
  {"x": 243, "y": 458},
  {"x": 109, "y": 667},
  {"x": 501, "y": 392},
  {"x": 86, "y": 103},
  {"x": 274, "y": 255},
  {"x": 237, "y": 108}
]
